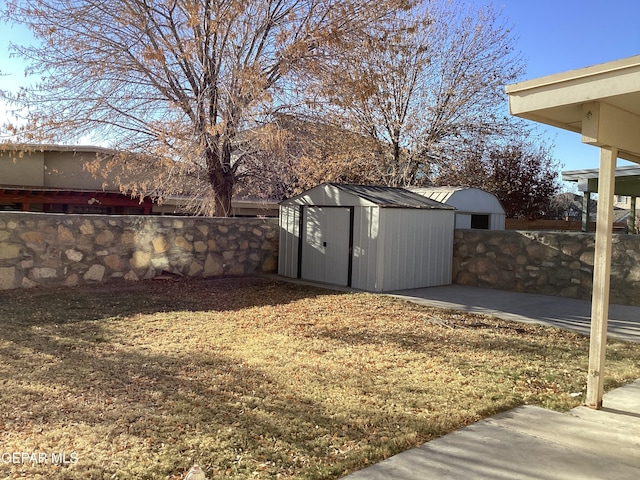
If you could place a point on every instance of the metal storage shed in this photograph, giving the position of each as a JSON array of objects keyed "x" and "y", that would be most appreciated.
[
  {"x": 366, "y": 237},
  {"x": 475, "y": 208}
]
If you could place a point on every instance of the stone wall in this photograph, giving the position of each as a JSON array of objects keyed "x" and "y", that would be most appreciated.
[
  {"x": 548, "y": 263},
  {"x": 49, "y": 249}
]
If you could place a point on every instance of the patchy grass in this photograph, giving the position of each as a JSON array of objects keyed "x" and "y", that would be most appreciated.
[{"x": 253, "y": 378}]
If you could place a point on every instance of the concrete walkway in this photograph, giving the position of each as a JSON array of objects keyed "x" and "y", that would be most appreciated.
[
  {"x": 530, "y": 442},
  {"x": 567, "y": 313}
]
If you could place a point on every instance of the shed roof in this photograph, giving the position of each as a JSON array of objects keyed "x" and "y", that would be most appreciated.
[
  {"x": 439, "y": 194},
  {"x": 467, "y": 199},
  {"x": 391, "y": 196},
  {"x": 381, "y": 196}
]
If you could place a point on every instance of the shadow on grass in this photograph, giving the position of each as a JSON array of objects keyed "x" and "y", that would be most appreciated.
[
  {"x": 152, "y": 415},
  {"x": 516, "y": 339},
  {"x": 172, "y": 410},
  {"x": 96, "y": 302},
  {"x": 146, "y": 401}
]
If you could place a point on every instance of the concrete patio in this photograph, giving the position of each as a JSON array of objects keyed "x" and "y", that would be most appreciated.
[
  {"x": 530, "y": 443},
  {"x": 561, "y": 312}
]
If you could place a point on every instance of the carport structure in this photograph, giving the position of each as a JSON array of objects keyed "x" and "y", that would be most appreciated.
[
  {"x": 627, "y": 184},
  {"x": 602, "y": 103}
]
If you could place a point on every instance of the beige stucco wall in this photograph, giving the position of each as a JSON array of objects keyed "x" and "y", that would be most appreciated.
[
  {"x": 67, "y": 170},
  {"x": 25, "y": 170},
  {"x": 51, "y": 169}
]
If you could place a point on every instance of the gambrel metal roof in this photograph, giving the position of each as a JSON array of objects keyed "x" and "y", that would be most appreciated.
[{"x": 381, "y": 196}]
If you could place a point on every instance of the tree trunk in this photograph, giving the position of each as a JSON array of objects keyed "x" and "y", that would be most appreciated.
[
  {"x": 221, "y": 179},
  {"x": 223, "y": 190}
]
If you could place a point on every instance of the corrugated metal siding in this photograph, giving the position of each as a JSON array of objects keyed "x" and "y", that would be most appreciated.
[
  {"x": 365, "y": 247},
  {"x": 497, "y": 221},
  {"x": 289, "y": 238},
  {"x": 463, "y": 220},
  {"x": 417, "y": 250}
]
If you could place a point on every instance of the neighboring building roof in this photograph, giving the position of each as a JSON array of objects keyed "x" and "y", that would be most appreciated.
[
  {"x": 386, "y": 197},
  {"x": 24, "y": 147},
  {"x": 575, "y": 175}
]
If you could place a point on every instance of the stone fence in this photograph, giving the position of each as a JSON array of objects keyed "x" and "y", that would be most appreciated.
[
  {"x": 51, "y": 249},
  {"x": 54, "y": 249},
  {"x": 548, "y": 263}
]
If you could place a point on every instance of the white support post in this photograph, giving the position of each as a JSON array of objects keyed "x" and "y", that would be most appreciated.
[{"x": 601, "y": 277}]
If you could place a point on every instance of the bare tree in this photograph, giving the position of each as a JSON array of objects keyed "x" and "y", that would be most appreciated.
[
  {"x": 174, "y": 82},
  {"x": 427, "y": 86},
  {"x": 295, "y": 154}
]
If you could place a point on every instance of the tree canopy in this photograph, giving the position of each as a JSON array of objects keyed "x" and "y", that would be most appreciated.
[
  {"x": 425, "y": 88},
  {"x": 521, "y": 173},
  {"x": 175, "y": 79},
  {"x": 207, "y": 98}
]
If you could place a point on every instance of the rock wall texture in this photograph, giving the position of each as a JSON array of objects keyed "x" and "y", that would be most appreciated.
[
  {"x": 49, "y": 249},
  {"x": 548, "y": 263}
]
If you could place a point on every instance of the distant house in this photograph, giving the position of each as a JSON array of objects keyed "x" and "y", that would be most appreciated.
[{"x": 54, "y": 179}]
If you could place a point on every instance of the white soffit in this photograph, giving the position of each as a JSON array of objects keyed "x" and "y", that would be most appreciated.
[{"x": 601, "y": 102}]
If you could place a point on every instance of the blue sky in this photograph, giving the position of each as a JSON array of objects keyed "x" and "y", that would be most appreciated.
[
  {"x": 559, "y": 35},
  {"x": 553, "y": 36}
]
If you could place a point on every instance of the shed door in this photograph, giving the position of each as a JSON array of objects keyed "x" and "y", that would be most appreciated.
[{"x": 325, "y": 245}]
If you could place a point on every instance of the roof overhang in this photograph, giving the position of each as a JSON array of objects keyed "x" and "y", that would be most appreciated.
[
  {"x": 33, "y": 147},
  {"x": 601, "y": 102},
  {"x": 627, "y": 180}
]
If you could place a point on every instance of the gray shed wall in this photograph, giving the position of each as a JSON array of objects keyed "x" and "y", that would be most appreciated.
[
  {"x": 393, "y": 248},
  {"x": 289, "y": 234},
  {"x": 416, "y": 250},
  {"x": 365, "y": 247}
]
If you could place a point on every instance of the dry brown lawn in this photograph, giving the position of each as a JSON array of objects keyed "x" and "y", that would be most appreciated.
[{"x": 254, "y": 378}]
